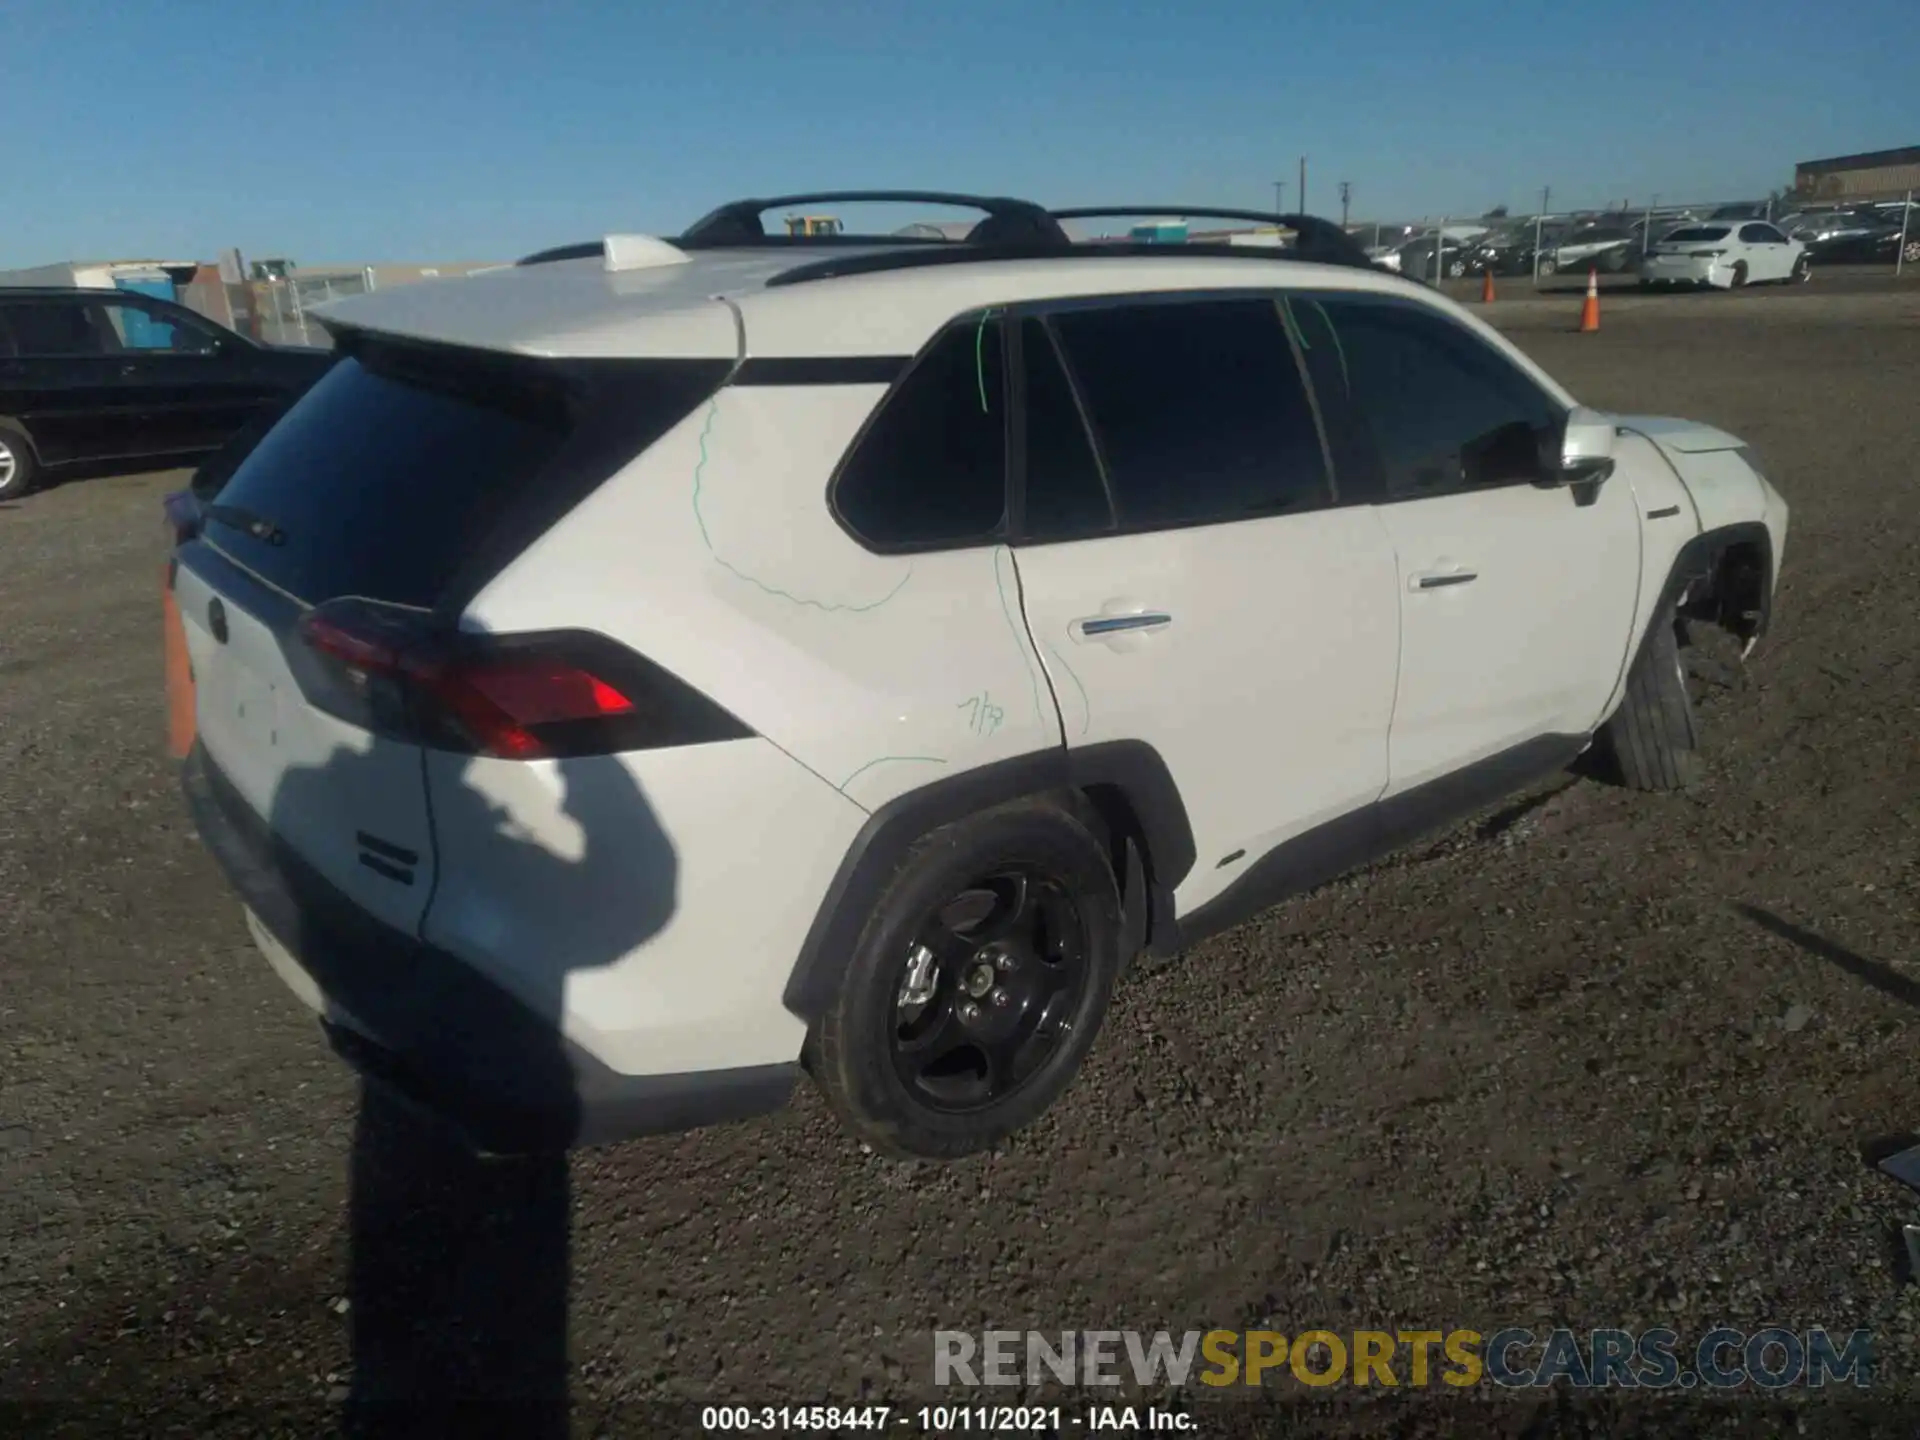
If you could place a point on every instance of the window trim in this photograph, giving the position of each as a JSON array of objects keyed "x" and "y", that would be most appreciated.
[
  {"x": 1001, "y": 533},
  {"x": 1044, "y": 310},
  {"x": 1356, "y": 423}
]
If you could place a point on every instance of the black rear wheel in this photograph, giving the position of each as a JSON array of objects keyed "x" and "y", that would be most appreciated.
[
  {"x": 977, "y": 987},
  {"x": 993, "y": 981},
  {"x": 18, "y": 468}
]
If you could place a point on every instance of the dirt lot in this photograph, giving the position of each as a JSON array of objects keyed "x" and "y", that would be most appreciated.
[{"x": 1608, "y": 1060}]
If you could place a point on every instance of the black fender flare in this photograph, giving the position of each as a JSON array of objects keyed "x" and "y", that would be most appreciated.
[{"x": 1132, "y": 767}]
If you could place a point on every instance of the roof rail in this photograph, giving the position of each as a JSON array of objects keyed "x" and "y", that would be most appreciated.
[
  {"x": 1318, "y": 242},
  {"x": 1007, "y": 220}
]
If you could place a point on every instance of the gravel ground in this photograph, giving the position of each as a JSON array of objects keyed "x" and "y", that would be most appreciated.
[{"x": 1600, "y": 1059}]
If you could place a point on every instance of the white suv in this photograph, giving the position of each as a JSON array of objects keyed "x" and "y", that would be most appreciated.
[{"x": 640, "y": 673}]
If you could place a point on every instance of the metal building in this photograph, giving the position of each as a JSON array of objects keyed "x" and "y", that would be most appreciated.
[{"x": 1880, "y": 175}]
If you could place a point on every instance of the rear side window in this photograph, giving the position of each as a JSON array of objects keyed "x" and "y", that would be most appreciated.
[
  {"x": 931, "y": 469},
  {"x": 397, "y": 467},
  {"x": 1441, "y": 410},
  {"x": 1697, "y": 234},
  {"x": 54, "y": 327},
  {"x": 1198, "y": 410}
]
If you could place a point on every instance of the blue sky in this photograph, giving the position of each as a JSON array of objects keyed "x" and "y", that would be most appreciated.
[{"x": 403, "y": 131}]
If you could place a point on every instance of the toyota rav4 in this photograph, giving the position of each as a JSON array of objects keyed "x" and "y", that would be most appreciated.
[{"x": 638, "y": 675}]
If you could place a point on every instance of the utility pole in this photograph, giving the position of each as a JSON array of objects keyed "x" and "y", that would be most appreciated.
[
  {"x": 1279, "y": 197},
  {"x": 1346, "y": 196},
  {"x": 1300, "y": 195}
]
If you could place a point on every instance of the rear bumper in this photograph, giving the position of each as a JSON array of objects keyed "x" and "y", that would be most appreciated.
[
  {"x": 1687, "y": 272},
  {"x": 432, "y": 1027}
]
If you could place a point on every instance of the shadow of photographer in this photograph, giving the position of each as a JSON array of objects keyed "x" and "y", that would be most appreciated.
[{"x": 459, "y": 1264}]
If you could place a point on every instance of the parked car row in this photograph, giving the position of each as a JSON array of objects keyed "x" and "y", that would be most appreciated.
[{"x": 1866, "y": 234}]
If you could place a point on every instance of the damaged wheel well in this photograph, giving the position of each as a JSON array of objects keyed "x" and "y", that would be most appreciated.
[{"x": 1726, "y": 579}]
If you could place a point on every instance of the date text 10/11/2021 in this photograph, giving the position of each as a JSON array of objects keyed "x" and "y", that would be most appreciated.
[{"x": 943, "y": 1419}]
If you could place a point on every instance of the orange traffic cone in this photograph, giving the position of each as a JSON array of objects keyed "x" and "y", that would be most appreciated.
[
  {"x": 1486, "y": 287},
  {"x": 1590, "y": 312}
]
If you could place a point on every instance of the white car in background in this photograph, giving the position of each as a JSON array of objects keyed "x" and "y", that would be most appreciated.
[{"x": 1726, "y": 256}]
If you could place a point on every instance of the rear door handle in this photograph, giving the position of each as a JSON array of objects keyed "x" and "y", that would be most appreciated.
[
  {"x": 1440, "y": 579},
  {"x": 1094, "y": 626}
]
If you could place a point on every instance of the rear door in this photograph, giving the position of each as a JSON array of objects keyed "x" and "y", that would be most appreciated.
[
  {"x": 65, "y": 382},
  {"x": 378, "y": 484},
  {"x": 1191, "y": 578},
  {"x": 1769, "y": 256}
]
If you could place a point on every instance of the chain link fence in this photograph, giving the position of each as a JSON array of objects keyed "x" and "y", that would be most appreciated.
[{"x": 276, "y": 312}]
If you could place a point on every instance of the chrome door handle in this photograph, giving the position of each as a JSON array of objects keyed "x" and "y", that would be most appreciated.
[
  {"x": 1439, "y": 579},
  {"x": 1096, "y": 625}
]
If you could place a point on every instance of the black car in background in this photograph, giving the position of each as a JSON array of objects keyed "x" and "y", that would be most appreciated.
[
  {"x": 1510, "y": 251},
  {"x": 92, "y": 378},
  {"x": 1416, "y": 257}
]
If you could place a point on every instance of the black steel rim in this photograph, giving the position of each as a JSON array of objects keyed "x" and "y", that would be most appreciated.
[{"x": 989, "y": 989}]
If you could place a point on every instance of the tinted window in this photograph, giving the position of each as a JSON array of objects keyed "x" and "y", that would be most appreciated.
[
  {"x": 931, "y": 469},
  {"x": 1697, "y": 234},
  {"x": 54, "y": 327},
  {"x": 1198, "y": 409},
  {"x": 1442, "y": 410},
  {"x": 1760, "y": 235},
  {"x": 391, "y": 472},
  {"x": 1065, "y": 494}
]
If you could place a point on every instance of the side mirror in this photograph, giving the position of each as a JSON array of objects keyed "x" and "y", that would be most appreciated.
[{"x": 1586, "y": 453}]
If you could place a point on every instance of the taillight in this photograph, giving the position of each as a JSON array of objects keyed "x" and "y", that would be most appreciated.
[{"x": 512, "y": 697}]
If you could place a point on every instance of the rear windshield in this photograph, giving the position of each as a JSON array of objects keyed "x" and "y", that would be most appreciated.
[
  {"x": 1695, "y": 233},
  {"x": 390, "y": 474}
]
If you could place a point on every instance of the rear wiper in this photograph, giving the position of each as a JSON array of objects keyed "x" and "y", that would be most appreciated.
[{"x": 252, "y": 522}]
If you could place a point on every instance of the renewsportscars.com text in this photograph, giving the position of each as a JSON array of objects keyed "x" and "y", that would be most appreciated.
[{"x": 1721, "y": 1359}]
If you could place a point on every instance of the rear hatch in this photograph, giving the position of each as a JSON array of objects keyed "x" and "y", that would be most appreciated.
[{"x": 321, "y": 598}]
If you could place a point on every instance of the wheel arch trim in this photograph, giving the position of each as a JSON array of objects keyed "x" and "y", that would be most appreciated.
[{"x": 1132, "y": 767}]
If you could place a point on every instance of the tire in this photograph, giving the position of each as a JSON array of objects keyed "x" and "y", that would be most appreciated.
[
  {"x": 19, "y": 469},
  {"x": 1456, "y": 269},
  {"x": 1652, "y": 736},
  {"x": 1911, "y": 253},
  {"x": 1614, "y": 261},
  {"x": 1548, "y": 265},
  {"x": 1802, "y": 269},
  {"x": 1739, "y": 275},
  {"x": 964, "y": 1015}
]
